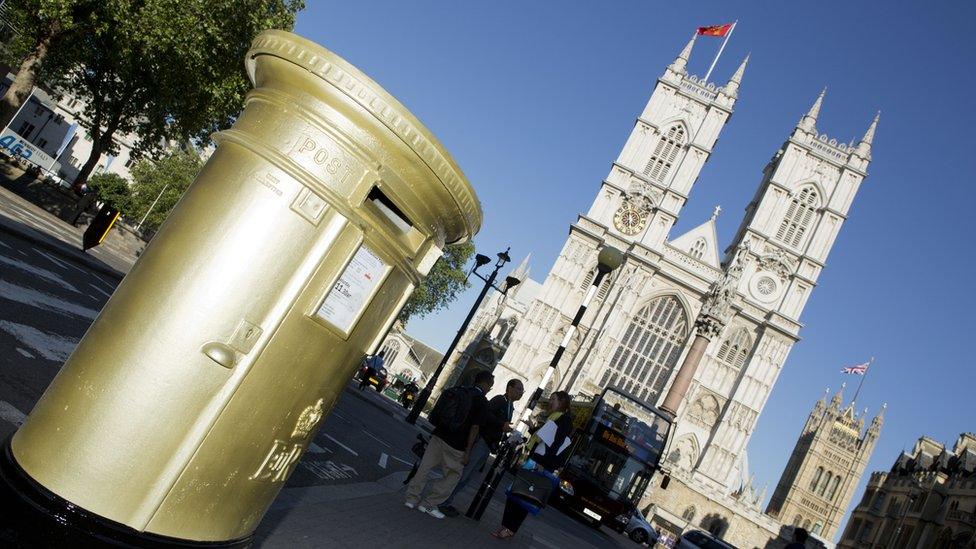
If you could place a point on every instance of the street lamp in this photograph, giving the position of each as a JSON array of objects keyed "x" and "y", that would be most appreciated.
[
  {"x": 607, "y": 261},
  {"x": 510, "y": 282}
]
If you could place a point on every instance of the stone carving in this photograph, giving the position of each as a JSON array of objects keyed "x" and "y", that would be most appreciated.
[
  {"x": 778, "y": 261},
  {"x": 717, "y": 307}
]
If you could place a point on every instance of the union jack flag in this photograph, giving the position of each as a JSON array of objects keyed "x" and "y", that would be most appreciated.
[{"x": 859, "y": 369}]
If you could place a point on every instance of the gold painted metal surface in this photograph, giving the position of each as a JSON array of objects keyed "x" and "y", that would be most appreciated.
[{"x": 195, "y": 392}]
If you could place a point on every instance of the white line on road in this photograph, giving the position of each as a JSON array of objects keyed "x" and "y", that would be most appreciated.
[
  {"x": 316, "y": 449},
  {"x": 11, "y": 414},
  {"x": 50, "y": 346},
  {"x": 403, "y": 461},
  {"x": 383, "y": 458},
  {"x": 99, "y": 290},
  {"x": 377, "y": 439},
  {"x": 341, "y": 445},
  {"x": 42, "y": 300}
]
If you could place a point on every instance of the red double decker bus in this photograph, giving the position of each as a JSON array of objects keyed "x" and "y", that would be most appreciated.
[{"x": 617, "y": 448}]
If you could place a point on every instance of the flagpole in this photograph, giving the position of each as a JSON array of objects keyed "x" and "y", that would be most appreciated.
[
  {"x": 719, "y": 54},
  {"x": 866, "y": 370}
]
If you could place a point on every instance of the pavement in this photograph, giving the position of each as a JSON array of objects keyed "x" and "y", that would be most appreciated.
[{"x": 346, "y": 491}]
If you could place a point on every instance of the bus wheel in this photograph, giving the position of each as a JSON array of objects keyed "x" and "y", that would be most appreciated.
[{"x": 638, "y": 536}]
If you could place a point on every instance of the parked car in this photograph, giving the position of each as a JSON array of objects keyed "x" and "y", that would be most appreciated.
[
  {"x": 697, "y": 539},
  {"x": 640, "y": 531}
]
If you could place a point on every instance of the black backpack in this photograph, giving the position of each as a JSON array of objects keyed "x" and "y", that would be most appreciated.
[{"x": 452, "y": 409}]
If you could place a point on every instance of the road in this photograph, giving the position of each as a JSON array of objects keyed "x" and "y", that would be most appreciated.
[{"x": 47, "y": 303}]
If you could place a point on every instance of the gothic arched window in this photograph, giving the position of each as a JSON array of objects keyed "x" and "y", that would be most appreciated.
[
  {"x": 390, "y": 351},
  {"x": 604, "y": 286},
  {"x": 816, "y": 479},
  {"x": 689, "y": 513},
  {"x": 649, "y": 348},
  {"x": 698, "y": 249},
  {"x": 735, "y": 349},
  {"x": 796, "y": 520},
  {"x": 823, "y": 485},
  {"x": 799, "y": 216},
  {"x": 833, "y": 488},
  {"x": 665, "y": 153}
]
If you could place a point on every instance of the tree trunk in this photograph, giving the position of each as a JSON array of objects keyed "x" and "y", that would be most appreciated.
[
  {"x": 25, "y": 77},
  {"x": 90, "y": 164}
]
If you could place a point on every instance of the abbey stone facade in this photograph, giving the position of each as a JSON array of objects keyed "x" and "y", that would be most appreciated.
[{"x": 746, "y": 302}]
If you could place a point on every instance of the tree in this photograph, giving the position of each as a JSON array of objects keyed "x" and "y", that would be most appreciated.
[
  {"x": 163, "y": 70},
  {"x": 447, "y": 279},
  {"x": 112, "y": 189},
  {"x": 157, "y": 186},
  {"x": 39, "y": 27}
]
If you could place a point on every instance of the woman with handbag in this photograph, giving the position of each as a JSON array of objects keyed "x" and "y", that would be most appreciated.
[{"x": 548, "y": 450}]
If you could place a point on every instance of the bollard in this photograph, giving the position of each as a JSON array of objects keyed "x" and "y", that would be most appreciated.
[{"x": 194, "y": 394}]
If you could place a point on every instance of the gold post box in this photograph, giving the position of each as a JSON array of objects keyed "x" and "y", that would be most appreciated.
[{"x": 194, "y": 394}]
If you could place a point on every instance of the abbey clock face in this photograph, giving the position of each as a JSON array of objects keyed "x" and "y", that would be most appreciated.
[{"x": 629, "y": 220}]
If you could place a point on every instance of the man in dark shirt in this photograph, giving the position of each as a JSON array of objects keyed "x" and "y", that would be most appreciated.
[
  {"x": 497, "y": 422},
  {"x": 450, "y": 450}
]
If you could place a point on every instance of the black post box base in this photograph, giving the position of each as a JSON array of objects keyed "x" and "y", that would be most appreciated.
[{"x": 33, "y": 516}]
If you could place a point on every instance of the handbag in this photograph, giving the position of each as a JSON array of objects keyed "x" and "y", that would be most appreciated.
[{"x": 532, "y": 486}]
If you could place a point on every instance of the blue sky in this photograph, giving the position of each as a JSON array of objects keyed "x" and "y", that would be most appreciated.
[{"x": 535, "y": 99}]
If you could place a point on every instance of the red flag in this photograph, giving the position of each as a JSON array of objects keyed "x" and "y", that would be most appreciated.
[{"x": 715, "y": 30}]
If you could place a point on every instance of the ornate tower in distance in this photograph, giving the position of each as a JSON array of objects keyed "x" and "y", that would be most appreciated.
[{"x": 826, "y": 464}]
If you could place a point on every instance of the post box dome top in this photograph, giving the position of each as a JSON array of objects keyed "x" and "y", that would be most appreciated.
[{"x": 384, "y": 108}]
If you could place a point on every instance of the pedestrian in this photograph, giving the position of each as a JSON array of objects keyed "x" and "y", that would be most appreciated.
[
  {"x": 800, "y": 536},
  {"x": 371, "y": 363},
  {"x": 548, "y": 452},
  {"x": 498, "y": 421},
  {"x": 457, "y": 417}
]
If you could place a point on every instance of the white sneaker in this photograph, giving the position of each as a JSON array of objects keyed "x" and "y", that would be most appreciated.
[
  {"x": 409, "y": 505},
  {"x": 432, "y": 512}
]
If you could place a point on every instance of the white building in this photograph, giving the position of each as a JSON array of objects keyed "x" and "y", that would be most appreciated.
[
  {"x": 491, "y": 331},
  {"x": 408, "y": 358},
  {"x": 644, "y": 318}
]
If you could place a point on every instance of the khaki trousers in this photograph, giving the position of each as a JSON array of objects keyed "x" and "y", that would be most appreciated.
[{"x": 438, "y": 454}]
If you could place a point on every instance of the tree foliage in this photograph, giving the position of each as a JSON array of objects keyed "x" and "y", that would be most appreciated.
[
  {"x": 166, "y": 179},
  {"x": 112, "y": 189},
  {"x": 163, "y": 70},
  {"x": 447, "y": 279},
  {"x": 35, "y": 28}
]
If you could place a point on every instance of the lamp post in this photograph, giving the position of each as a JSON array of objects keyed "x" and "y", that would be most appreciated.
[
  {"x": 609, "y": 259},
  {"x": 510, "y": 282}
]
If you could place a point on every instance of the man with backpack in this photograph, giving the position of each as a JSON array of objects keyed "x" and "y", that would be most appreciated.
[{"x": 457, "y": 418}]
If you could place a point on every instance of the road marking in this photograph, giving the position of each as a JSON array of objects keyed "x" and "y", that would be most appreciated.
[
  {"x": 42, "y": 300},
  {"x": 377, "y": 439},
  {"x": 341, "y": 445},
  {"x": 340, "y": 416},
  {"x": 39, "y": 272},
  {"x": 99, "y": 290},
  {"x": 24, "y": 352},
  {"x": 403, "y": 461},
  {"x": 11, "y": 414},
  {"x": 383, "y": 458},
  {"x": 316, "y": 449},
  {"x": 50, "y": 346}
]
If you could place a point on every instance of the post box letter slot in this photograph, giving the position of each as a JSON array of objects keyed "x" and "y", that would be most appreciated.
[{"x": 389, "y": 209}]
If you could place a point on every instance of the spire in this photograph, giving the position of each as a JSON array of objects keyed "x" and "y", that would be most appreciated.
[
  {"x": 681, "y": 63},
  {"x": 838, "y": 397},
  {"x": 878, "y": 420},
  {"x": 732, "y": 88},
  {"x": 809, "y": 120},
  {"x": 864, "y": 147},
  {"x": 715, "y": 212},
  {"x": 522, "y": 271}
]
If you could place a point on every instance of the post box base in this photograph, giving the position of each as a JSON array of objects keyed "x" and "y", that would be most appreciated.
[{"x": 34, "y": 516}]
